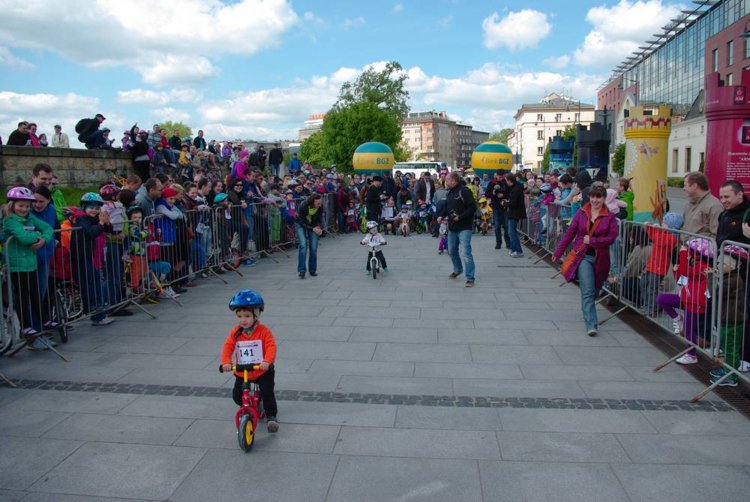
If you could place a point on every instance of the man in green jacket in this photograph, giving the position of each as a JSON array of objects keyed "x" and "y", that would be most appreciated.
[{"x": 42, "y": 175}]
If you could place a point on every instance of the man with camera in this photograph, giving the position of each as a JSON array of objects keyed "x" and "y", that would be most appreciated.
[
  {"x": 373, "y": 199},
  {"x": 459, "y": 212},
  {"x": 497, "y": 193}
]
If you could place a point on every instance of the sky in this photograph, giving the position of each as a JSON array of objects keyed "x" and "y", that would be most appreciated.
[{"x": 258, "y": 68}]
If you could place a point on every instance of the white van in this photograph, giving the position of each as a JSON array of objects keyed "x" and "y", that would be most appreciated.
[{"x": 417, "y": 168}]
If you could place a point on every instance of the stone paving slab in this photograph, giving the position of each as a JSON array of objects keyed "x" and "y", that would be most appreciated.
[
  {"x": 24, "y": 460},
  {"x": 583, "y": 421},
  {"x": 545, "y": 481},
  {"x": 376, "y": 479},
  {"x": 560, "y": 447}
]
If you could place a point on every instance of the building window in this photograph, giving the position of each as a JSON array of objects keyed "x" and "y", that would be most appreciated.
[
  {"x": 539, "y": 117},
  {"x": 747, "y": 49},
  {"x": 688, "y": 151},
  {"x": 715, "y": 55},
  {"x": 540, "y": 150},
  {"x": 675, "y": 153},
  {"x": 540, "y": 135},
  {"x": 730, "y": 53},
  {"x": 558, "y": 117},
  {"x": 702, "y": 164},
  {"x": 577, "y": 117},
  {"x": 730, "y": 79},
  {"x": 558, "y": 132}
]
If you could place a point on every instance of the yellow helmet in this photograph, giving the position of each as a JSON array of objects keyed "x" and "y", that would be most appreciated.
[{"x": 483, "y": 201}]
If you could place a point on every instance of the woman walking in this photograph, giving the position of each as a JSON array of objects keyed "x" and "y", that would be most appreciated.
[
  {"x": 592, "y": 231},
  {"x": 307, "y": 225}
]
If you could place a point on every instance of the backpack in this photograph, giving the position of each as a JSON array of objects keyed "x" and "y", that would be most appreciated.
[{"x": 80, "y": 125}]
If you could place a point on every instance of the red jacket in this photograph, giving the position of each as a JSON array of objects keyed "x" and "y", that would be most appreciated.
[
  {"x": 661, "y": 252},
  {"x": 260, "y": 332},
  {"x": 693, "y": 268}
]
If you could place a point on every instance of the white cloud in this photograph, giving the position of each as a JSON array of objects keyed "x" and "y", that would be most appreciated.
[
  {"x": 310, "y": 18},
  {"x": 620, "y": 29},
  {"x": 149, "y": 97},
  {"x": 398, "y": 8},
  {"x": 156, "y": 39},
  {"x": 352, "y": 23},
  {"x": 169, "y": 113},
  {"x": 46, "y": 110},
  {"x": 517, "y": 30},
  {"x": 558, "y": 62},
  {"x": 9, "y": 59}
]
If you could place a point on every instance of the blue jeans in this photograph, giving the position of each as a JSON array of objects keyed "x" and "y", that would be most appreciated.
[
  {"x": 515, "y": 242},
  {"x": 589, "y": 292},
  {"x": 462, "y": 237},
  {"x": 500, "y": 222},
  {"x": 308, "y": 242},
  {"x": 275, "y": 169}
]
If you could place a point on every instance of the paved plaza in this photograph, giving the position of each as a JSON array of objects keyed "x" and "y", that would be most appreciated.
[{"x": 410, "y": 387}]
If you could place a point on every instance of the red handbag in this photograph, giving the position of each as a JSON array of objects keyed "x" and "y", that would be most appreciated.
[{"x": 572, "y": 256}]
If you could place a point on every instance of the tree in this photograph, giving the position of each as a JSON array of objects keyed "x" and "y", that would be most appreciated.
[
  {"x": 169, "y": 128},
  {"x": 545, "y": 159},
  {"x": 618, "y": 160},
  {"x": 569, "y": 133},
  {"x": 501, "y": 135},
  {"x": 345, "y": 129},
  {"x": 313, "y": 150},
  {"x": 384, "y": 88}
]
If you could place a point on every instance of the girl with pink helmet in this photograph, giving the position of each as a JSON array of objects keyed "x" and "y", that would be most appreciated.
[{"x": 25, "y": 234}]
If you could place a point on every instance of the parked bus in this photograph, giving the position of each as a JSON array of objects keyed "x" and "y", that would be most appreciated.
[{"x": 417, "y": 168}]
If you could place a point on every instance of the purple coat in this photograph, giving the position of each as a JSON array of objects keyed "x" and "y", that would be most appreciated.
[{"x": 604, "y": 235}]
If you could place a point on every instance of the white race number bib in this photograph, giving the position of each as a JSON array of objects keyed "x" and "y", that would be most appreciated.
[{"x": 249, "y": 352}]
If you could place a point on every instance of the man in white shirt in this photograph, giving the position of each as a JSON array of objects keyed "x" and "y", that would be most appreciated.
[{"x": 60, "y": 139}]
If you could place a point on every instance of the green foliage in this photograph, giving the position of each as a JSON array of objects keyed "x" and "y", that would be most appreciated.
[
  {"x": 545, "y": 159},
  {"x": 501, "y": 135},
  {"x": 315, "y": 150},
  {"x": 568, "y": 134},
  {"x": 401, "y": 152},
  {"x": 383, "y": 88},
  {"x": 675, "y": 181},
  {"x": 169, "y": 128},
  {"x": 618, "y": 160},
  {"x": 345, "y": 129}
]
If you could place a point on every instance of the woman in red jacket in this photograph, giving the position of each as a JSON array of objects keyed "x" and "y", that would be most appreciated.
[
  {"x": 694, "y": 260},
  {"x": 592, "y": 231}
]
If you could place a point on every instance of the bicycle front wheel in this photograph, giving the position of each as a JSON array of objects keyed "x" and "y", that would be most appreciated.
[{"x": 246, "y": 432}]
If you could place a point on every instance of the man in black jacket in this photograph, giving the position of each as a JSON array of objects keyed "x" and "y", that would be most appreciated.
[
  {"x": 89, "y": 134},
  {"x": 516, "y": 212},
  {"x": 735, "y": 214},
  {"x": 497, "y": 192},
  {"x": 373, "y": 198},
  {"x": 459, "y": 212},
  {"x": 19, "y": 137},
  {"x": 307, "y": 225},
  {"x": 275, "y": 158}
]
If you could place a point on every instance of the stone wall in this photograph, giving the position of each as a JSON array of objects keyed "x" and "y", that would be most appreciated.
[{"x": 74, "y": 167}]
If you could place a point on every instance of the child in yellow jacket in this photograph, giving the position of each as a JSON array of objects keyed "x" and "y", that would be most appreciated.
[{"x": 251, "y": 342}]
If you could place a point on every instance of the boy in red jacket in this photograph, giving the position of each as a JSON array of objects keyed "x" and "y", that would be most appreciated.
[
  {"x": 251, "y": 342},
  {"x": 660, "y": 260}
]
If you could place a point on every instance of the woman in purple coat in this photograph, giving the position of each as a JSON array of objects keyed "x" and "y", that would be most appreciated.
[{"x": 592, "y": 231}]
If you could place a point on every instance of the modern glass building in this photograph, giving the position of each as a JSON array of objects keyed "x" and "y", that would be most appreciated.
[{"x": 669, "y": 68}]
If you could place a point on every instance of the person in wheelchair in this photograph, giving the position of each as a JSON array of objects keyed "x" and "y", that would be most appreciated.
[{"x": 374, "y": 238}]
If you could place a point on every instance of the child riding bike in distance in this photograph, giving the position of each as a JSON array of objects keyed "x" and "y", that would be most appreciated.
[
  {"x": 374, "y": 238},
  {"x": 251, "y": 342}
]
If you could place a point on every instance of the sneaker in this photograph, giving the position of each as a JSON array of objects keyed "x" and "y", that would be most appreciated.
[
  {"x": 498, "y": 246},
  {"x": 677, "y": 325},
  {"x": 385, "y": 270},
  {"x": 273, "y": 425},
  {"x": 455, "y": 274},
  {"x": 178, "y": 289},
  {"x": 730, "y": 381},
  {"x": 313, "y": 274},
  {"x": 592, "y": 332},
  {"x": 170, "y": 293},
  {"x": 687, "y": 359},
  {"x": 744, "y": 366},
  {"x": 51, "y": 325},
  {"x": 204, "y": 275},
  {"x": 469, "y": 283},
  {"x": 249, "y": 262},
  {"x": 28, "y": 332},
  {"x": 301, "y": 275},
  {"x": 717, "y": 373},
  {"x": 106, "y": 321}
]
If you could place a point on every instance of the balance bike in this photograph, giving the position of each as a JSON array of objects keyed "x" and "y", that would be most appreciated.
[{"x": 251, "y": 412}]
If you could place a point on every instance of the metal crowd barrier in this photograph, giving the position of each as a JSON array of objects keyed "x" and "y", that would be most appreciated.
[{"x": 86, "y": 276}]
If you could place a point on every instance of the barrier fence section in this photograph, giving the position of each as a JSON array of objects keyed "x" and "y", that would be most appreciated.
[
  {"x": 96, "y": 268},
  {"x": 678, "y": 280}
]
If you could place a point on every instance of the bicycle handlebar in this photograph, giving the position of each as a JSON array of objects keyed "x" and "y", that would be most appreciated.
[{"x": 243, "y": 367}]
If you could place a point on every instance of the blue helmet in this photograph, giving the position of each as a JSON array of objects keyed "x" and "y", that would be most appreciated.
[
  {"x": 246, "y": 298},
  {"x": 220, "y": 197},
  {"x": 91, "y": 198}
]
